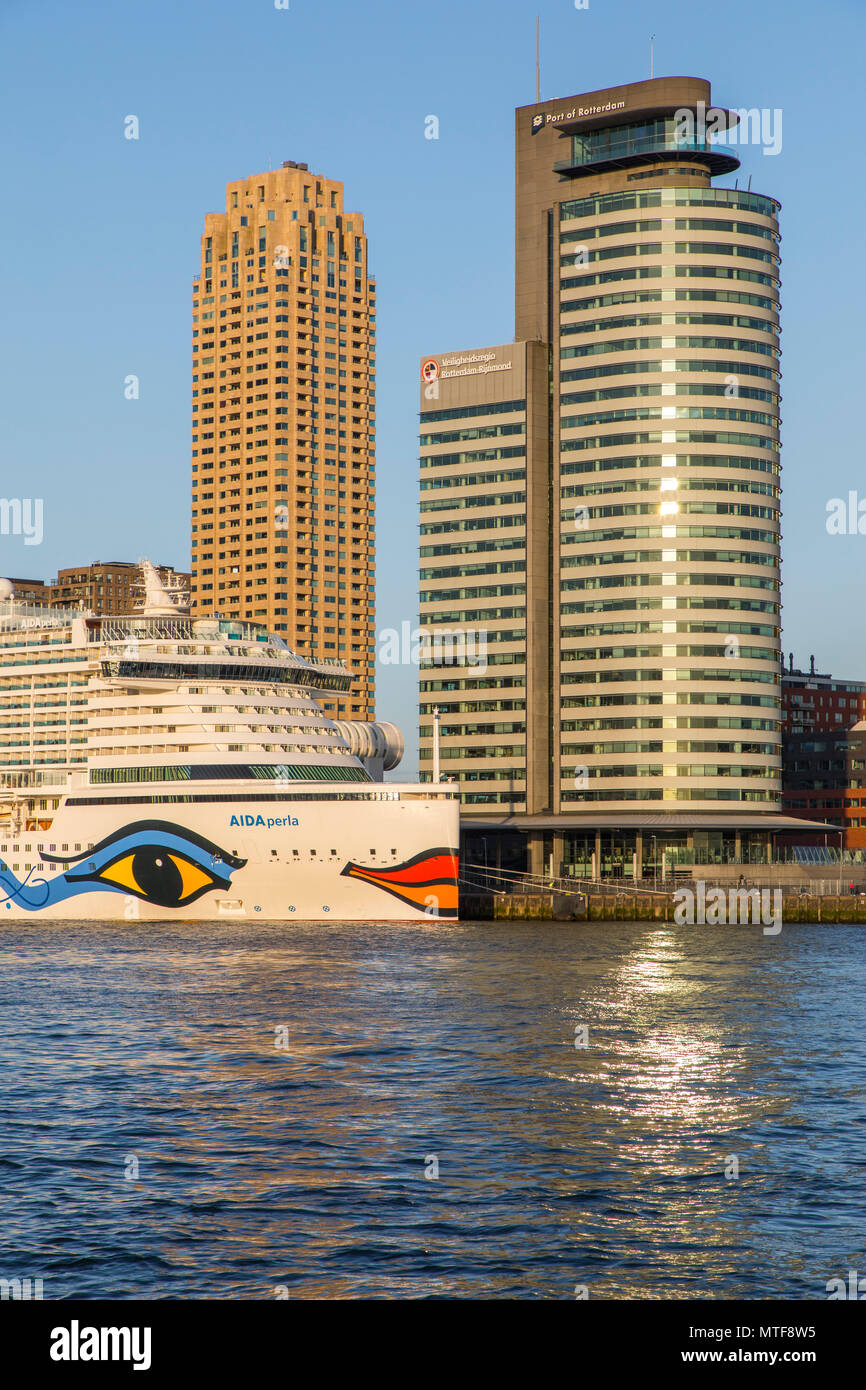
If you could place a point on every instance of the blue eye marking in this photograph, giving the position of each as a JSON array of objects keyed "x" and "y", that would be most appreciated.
[{"x": 157, "y": 861}]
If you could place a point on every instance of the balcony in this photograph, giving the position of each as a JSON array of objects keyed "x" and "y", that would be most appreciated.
[{"x": 719, "y": 159}]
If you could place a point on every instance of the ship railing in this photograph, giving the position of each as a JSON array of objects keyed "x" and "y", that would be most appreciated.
[{"x": 21, "y": 615}]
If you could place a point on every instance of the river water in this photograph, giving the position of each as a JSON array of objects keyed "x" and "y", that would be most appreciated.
[{"x": 236, "y": 1110}]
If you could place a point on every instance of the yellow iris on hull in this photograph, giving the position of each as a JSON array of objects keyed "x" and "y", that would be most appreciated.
[{"x": 128, "y": 873}]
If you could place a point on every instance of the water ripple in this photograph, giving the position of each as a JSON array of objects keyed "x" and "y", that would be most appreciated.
[{"x": 424, "y": 1125}]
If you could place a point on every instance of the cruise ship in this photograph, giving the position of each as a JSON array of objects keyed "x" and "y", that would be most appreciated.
[{"x": 161, "y": 766}]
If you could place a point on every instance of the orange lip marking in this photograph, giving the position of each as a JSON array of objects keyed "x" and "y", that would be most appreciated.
[{"x": 428, "y": 880}]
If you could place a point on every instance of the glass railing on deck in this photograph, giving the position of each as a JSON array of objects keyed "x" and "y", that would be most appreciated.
[{"x": 586, "y": 152}]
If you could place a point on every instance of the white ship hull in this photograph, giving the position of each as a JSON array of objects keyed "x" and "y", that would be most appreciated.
[{"x": 296, "y": 858}]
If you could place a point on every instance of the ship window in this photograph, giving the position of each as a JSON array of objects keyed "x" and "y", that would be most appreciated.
[
  {"x": 373, "y": 852},
  {"x": 333, "y": 851},
  {"x": 295, "y": 852}
]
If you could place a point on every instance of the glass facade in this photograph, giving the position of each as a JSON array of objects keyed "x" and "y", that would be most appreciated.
[
  {"x": 661, "y": 136},
  {"x": 683, "y": 498}
]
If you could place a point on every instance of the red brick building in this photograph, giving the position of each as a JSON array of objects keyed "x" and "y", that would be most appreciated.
[{"x": 824, "y": 751}]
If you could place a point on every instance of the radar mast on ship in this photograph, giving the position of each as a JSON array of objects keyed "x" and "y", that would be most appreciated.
[{"x": 160, "y": 598}]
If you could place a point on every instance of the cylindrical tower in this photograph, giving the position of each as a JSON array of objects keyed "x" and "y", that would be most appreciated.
[{"x": 665, "y": 298}]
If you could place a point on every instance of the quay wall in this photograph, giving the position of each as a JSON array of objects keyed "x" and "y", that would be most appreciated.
[{"x": 629, "y": 907}]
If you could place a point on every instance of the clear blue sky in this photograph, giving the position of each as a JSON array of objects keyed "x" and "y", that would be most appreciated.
[{"x": 100, "y": 237}]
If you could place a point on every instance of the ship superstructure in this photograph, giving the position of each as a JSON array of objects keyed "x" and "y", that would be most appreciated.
[{"x": 159, "y": 764}]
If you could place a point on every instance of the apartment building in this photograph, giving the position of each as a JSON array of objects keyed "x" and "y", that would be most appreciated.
[
  {"x": 283, "y": 421},
  {"x": 824, "y": 752},
  {"x": 105, "y": 587}
]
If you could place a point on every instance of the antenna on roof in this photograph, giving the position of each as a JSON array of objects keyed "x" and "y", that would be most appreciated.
[
  {"x": 537, "y": 60},
  {"x": 652, "y": 55}
]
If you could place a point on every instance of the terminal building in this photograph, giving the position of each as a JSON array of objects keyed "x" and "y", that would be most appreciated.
[{"x": 599, "y": 548}]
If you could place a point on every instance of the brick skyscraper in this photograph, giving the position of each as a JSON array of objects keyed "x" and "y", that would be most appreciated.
[{"x": 283, "y": 433}]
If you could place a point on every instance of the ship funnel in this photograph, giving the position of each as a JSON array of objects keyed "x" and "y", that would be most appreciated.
[{"x": 379, "y": 746}]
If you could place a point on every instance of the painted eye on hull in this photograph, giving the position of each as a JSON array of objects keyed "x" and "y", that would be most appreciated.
[
  {"x": 162, "y": 863},
  {"x": 159, "y": 876}
]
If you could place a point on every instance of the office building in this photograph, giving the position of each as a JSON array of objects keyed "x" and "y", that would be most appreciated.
[{"x": 600, "y": 504}]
